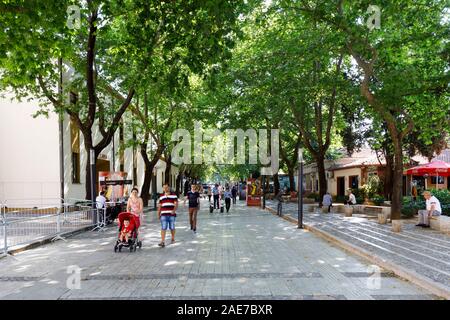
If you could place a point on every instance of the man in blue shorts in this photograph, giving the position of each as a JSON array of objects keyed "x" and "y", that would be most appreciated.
[{"x": 168, "y": 204}]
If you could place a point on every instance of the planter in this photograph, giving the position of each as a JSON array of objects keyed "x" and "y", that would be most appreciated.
[
  {"x": 397, "y": 225},
  {"x": 348, "y": 211},
  {"x": 311, "y": 208},
  {"x": 382, "y": 218},
  {"x": 325, "y": 209}
]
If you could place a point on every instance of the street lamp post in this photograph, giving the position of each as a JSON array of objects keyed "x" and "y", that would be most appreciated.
[
  {"x": 264, "y": 192},
  {"x": 300, "y": 188},
  {"x": 92, "y": 162}
]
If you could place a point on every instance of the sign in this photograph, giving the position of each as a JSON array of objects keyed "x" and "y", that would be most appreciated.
[
  {"x": 113, "y": 184},
  {"x": 254, "y": 192}
]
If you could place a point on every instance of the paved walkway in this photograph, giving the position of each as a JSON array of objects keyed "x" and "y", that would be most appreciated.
[
  {"x": 246, "y": 254},
  {"x": 425, "y": 252}
]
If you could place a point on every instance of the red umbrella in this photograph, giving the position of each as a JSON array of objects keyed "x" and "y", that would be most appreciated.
[{"x": 435, "y": 168}]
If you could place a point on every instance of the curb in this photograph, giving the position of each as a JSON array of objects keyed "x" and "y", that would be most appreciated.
[
  {"x": 48, "y": 240},
  {"x": 400, "y": 271}
]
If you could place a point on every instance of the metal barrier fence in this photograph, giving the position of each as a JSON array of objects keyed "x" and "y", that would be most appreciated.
[{"x": 22, "y": 226}]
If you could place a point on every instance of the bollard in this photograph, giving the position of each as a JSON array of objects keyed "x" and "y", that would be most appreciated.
[
  {"x": 348, "y": 211},
  {"x": 397, "y": 225},
  {"x": 382, "y": 218}
]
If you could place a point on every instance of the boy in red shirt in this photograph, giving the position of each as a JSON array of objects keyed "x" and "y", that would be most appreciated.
[{"x": 125, "y": 233}]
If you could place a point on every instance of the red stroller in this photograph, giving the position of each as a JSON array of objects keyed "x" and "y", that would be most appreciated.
[{"x": 133, "y": 243}]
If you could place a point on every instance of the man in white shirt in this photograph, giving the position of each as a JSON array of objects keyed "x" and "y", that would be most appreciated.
[
  {"x": 433, "y": 209},
  {"x": 101, "y": 200},
  {"x": 351, "y": 197},
  {"x": 101, "y": 204}
]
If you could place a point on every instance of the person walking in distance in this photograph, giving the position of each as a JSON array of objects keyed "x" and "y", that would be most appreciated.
[
  {"x": 215, "y": 192},
  {"x": 209, "y": 193},
  {"x": 193, "y": 197},
  {"x": 327, "y": 201},
  {"x": 168, "y": 204},
  {"x": 227, "y": 195},
  {"x": 234, "y": 193}
]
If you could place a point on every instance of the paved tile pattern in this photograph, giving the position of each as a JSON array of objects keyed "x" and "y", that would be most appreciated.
[
  {"x": 425, "y": 251},
  {"x": 246, "y": 254}
]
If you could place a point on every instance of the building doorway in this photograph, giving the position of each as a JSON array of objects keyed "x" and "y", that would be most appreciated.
[
  {"x": 341, "y": 186},
  {"x": 101, "y": 165}
]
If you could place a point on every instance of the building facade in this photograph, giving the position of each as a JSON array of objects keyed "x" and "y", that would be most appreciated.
[
  {"x": 354, "y": 171},
  {"x": 30, "y": 161}
]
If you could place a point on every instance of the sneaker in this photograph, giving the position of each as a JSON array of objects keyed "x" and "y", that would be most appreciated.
[
  {"x": 161, "y": 244},
  {"x": 426, "y": 226},
  {"x": 420, "y": 225},
  {"x": 195, "y": 230}
]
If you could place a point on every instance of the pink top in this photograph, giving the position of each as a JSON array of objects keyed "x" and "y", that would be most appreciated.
[{"x": 134, "y": 205}]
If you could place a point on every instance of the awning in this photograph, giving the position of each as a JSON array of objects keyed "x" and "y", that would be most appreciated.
[{"x": 435, "y": 168}]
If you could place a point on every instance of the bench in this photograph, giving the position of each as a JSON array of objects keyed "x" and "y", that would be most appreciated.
[{"x": 440, "y": 223}]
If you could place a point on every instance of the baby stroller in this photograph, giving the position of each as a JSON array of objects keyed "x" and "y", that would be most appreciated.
[{"x": 133, "y": 243}]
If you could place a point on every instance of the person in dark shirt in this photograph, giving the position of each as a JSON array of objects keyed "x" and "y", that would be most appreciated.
[
  {"x": 193, "y": 197},
  {"x": 216, "y": 194},
  {"x": 234, "y": 194},
  {"x": 227, "y": 195}
]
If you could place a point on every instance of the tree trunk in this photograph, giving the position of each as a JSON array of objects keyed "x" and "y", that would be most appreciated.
[
  {"x": 320, "y": 160},
  {"x": 291, "y": 179},
  {"x": 145, "y": 191},
  {"x": 397, "y": 188},
  {"x": 149, "y": 165},
  {"x": 276, "y": 183},
  {"x": 167, "y": 172},
  {"x": 388, "y": 175},
  {"x": 87, "y": 147},
  {"x": 178, "y": 184}
]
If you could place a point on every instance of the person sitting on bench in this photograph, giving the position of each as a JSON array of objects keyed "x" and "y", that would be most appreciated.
[{"x": 433, "y": 208}]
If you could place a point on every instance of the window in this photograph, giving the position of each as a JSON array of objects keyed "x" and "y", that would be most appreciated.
[
  {"x": 353, "y": 182},
  {"x": 75, "y": 148},
  {"x": 75, "y": 167},
  {"x": 440, "y": 180}
]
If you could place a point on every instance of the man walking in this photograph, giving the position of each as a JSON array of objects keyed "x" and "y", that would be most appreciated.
[
  {"x": 216, "y": 192},
  {"x": 234, "y": 193},
  {"x": 327, "y": 201},
  {"x": 433, "y": 208},
  {"x": 227, "y": 196},
  {"x": 168, "y": 204}
]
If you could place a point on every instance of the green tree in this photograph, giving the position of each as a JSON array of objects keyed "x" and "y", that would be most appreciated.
[{"x": 403, "y": 65}]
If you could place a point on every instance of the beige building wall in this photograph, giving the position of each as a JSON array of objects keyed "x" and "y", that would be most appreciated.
[
  {"x": 29, "y": 162},
  {"x": 346, "y": 173}
]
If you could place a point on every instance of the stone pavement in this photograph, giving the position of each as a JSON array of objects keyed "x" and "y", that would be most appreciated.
[
  {"x": 425, "y": 253},
  {"x": 246, "y": 254}
]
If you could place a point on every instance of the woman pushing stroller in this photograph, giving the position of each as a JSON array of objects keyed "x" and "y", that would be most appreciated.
[{"x": 135, "y": 205}]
